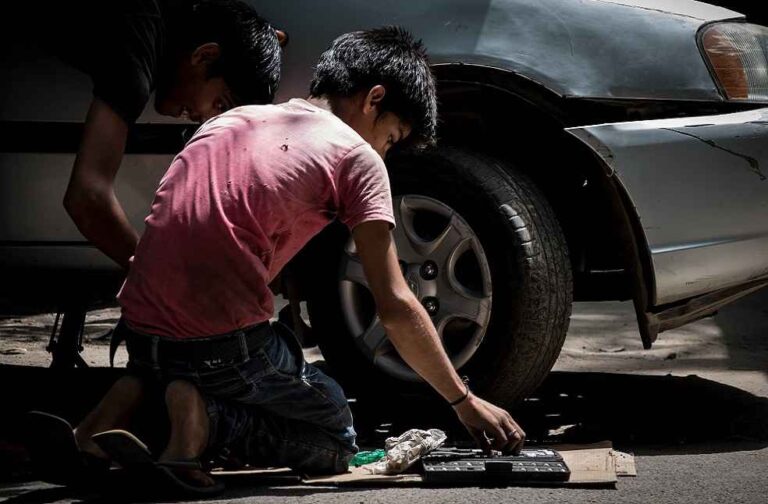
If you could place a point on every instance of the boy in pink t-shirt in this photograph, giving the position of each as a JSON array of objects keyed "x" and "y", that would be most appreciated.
[{"x": 245, "y": 195}]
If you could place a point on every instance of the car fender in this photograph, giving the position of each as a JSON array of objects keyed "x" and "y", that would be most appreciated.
[{"x": 698, "y": 186}]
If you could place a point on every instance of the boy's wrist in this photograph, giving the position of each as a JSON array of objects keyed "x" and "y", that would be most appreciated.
[
  {"x": 459, "y": 399},
  {"x": 466, "y": 406}
]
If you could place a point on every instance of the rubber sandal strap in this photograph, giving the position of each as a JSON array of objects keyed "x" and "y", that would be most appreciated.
[{"x": 124, "y": 448}]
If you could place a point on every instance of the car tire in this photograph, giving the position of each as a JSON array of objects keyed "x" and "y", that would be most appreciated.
[{"x": 526, "y": 253}]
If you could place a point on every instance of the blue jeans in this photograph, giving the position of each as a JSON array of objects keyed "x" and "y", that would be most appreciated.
[{"x": 271, "y": 409}]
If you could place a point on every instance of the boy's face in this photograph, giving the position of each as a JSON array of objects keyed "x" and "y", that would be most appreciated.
[
  {"x": 196, "y": 101},
  {"x": 387, "y": 130},
  {"x": 187, "y": 91},
  {"x": 380, "y": 129},
  {"x": 191, "y": 93}
]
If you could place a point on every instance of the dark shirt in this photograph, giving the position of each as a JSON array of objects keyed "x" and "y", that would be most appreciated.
[{"x": 120, "y": 44}]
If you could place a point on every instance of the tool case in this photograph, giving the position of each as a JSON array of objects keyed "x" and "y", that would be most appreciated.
[{"x": 467, "y": 466}]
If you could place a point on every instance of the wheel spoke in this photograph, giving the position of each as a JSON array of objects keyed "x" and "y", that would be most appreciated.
[
  {"x": 407, "y": 241},
  {"x": 452, "y": 237},
  {"x": 412, "y": 248},
  {"x": 353, "y": 270},
  {"x": 440, "y": 323},
  {"x": 374, "y": 338},
  {"x": 464, "y": 306}
]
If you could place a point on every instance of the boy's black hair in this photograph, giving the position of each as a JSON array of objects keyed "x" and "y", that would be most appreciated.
[
  {"x": 389, "y": 56},
  {"x": 250, "y": 52}
]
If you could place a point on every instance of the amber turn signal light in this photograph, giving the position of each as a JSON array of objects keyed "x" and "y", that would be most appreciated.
[{"x": 738, "y": 56}]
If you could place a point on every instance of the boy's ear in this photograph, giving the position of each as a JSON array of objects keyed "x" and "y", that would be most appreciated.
[
  {"x": 373, "y": 98},
  {"x": 282, "y": 37},
  {"x": 206, "y": 54}
]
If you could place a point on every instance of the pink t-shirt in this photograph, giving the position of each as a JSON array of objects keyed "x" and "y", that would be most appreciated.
[{"x": 248, "y": 191}]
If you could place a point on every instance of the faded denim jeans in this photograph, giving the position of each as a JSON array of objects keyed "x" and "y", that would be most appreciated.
[{"x": 273, "y": 409}]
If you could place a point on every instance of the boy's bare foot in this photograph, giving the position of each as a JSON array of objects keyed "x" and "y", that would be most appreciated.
[{"x": 189, "y": 431}]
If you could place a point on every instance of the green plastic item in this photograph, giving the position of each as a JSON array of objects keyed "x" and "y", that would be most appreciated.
[{"x": 367, "y": 457}]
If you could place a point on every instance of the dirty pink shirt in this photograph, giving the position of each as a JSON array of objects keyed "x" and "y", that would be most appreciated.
[{"x": 248, "y": 191}]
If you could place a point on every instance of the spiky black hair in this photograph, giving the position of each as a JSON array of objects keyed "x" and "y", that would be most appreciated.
[
  {"x": 391, "y": 57},
  {"x": 250, "y": 52}
]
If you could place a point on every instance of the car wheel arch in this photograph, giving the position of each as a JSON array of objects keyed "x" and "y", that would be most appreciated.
[{"x": 476, "y": 104}]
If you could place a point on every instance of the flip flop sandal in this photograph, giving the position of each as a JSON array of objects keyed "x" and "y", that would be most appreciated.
[
  {"x": 134, "y": 456},
  {"x": 55, "y": 456}
]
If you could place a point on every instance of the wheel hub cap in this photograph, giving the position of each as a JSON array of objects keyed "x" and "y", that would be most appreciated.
[{"x": 444, "y": 266}]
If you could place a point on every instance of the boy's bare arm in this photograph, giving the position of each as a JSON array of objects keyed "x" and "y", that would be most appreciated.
[
  {"x": 413, "y": 334},
  {"x": 90, "y": 199}
]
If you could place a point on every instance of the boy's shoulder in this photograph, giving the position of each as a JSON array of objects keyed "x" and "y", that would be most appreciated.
[
  {"x": 296, "y": 118},
  {"x": 323, "y": 121},
  {"x": 301, "y": 131}
]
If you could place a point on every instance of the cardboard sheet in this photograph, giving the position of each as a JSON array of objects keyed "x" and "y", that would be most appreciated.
[
  {"x": 596, "y": 464},
  {"x": 625, "y": 463},
  {"x": 591, "y": 465}
]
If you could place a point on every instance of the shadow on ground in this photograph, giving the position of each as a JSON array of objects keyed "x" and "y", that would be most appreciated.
[
  {"x": 641, "y": 413},
  {"x": 744, "y": 326},
  {"x": 633, "y": 410}
]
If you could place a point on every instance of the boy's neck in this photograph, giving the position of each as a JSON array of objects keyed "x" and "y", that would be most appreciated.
[{"x": 320, "y": 102}]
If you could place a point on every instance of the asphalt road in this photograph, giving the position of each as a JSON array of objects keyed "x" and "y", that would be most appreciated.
[{"x": 694, "y": 410}]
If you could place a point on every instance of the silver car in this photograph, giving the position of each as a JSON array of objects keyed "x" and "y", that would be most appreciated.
[{"x": 590, "y": 150}]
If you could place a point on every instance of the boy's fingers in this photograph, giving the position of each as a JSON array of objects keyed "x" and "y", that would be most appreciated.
[
  {"x": 517, "y": 441},
  {"x": 515, "y": 436},
  {"x": 480, "y": 439},
  {"x": 499, "y": 437}
]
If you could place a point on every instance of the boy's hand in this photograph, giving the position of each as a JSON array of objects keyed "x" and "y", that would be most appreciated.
[{"x": 491, "y": 426}]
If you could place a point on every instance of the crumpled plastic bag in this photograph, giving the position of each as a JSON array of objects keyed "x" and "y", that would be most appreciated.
[
  {"x": 404, "y": 450},
  {"x": 367, "y": 457}
]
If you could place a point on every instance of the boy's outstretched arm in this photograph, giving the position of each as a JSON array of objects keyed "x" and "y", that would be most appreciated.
[
  {"x": 413, "y": 335},
  {"x": 90, "y": 199}
]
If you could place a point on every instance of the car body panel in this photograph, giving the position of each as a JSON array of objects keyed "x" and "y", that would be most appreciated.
[
  {"x": 648, "y": 49},
  {"x": 41, "y": 178},
  {"x": 699, "y": 187},
  {"x": 696, "y": 10},
  {"x": 644, "y": 52},
  {"x": 47, "y": 237}
]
